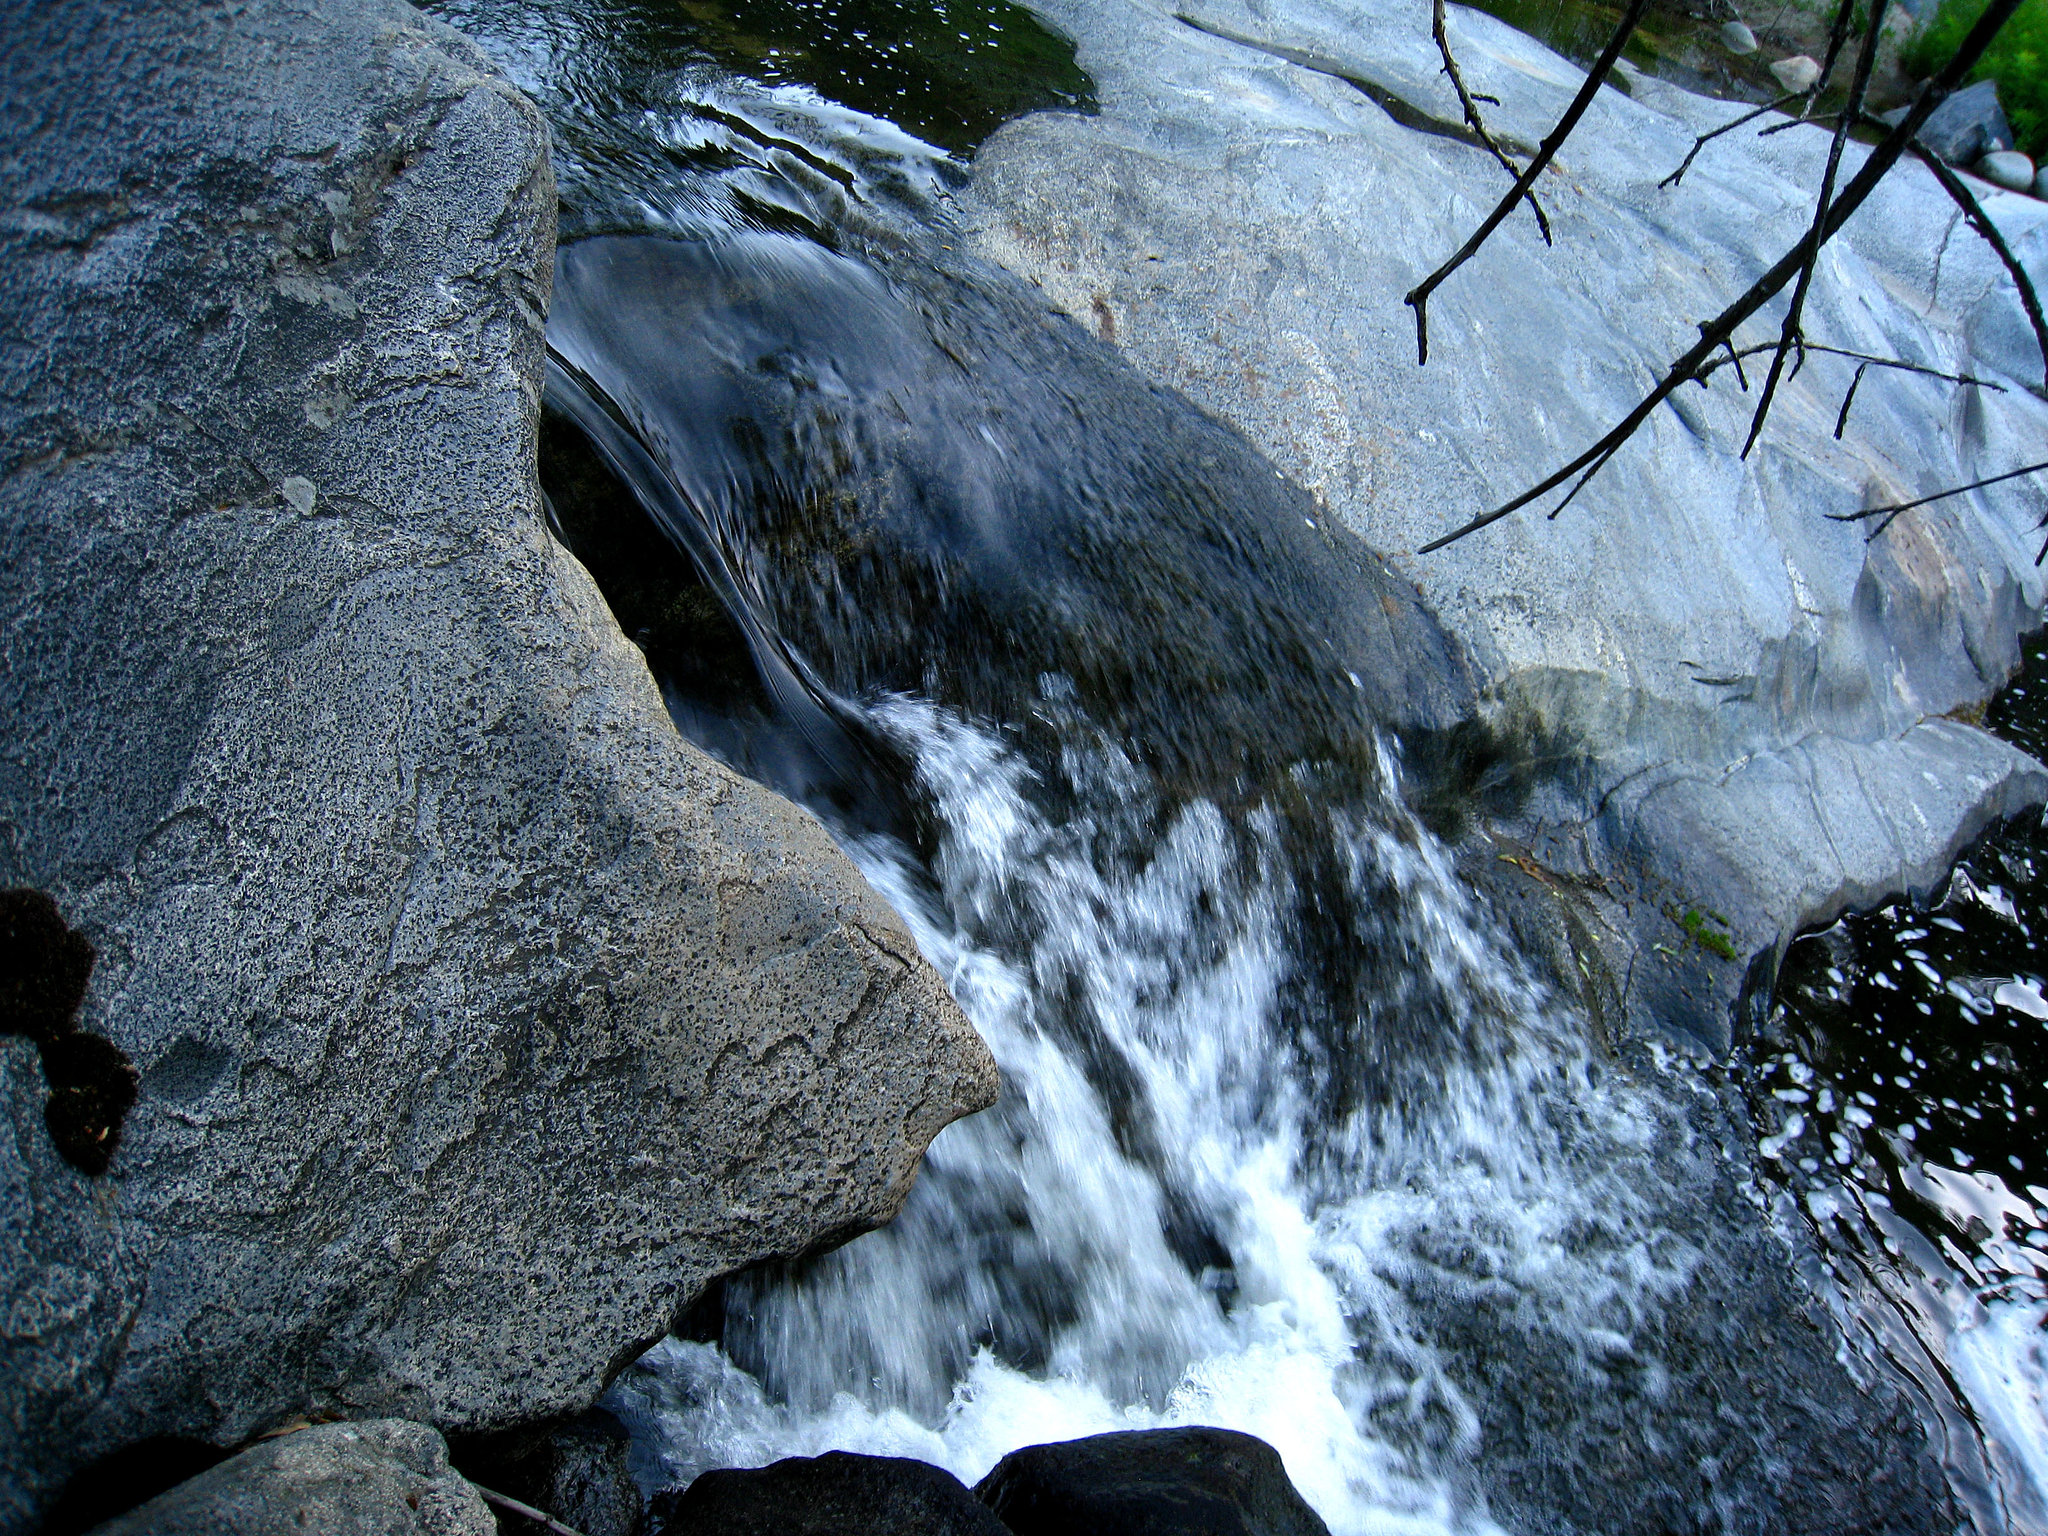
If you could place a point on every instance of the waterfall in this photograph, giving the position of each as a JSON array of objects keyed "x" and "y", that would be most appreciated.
[{"x": 1156, "y": 1225}]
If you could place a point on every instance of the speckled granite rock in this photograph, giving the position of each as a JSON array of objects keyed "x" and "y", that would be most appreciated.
[
  {"x": 477, "y": 1019},
  {"x": 1752, "y": 694},
  {"x": 381, "y": 1477}
]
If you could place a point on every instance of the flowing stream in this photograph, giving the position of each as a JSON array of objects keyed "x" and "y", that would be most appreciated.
[{"x": 1165, "y": 775}]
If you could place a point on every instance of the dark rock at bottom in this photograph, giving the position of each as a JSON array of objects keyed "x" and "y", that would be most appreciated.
[
  {"x": 1157, "y": 1482},
  {"x": 837, "y": 1494}
]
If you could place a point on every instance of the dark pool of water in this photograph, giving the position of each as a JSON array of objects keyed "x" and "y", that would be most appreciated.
[
  {"x": 1906, "y": 1053},
  {"x": 684, "y": 115}
]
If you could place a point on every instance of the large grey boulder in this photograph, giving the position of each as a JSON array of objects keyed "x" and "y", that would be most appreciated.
[
  {"x": 477, "y": 1020},
  {"x": 381, "y": 1477},
  {"x": 1765, "y": 712}
]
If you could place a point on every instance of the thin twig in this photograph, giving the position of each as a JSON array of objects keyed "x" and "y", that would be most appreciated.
[
  {"x": 1734, "y": 357},
  {"x": 1848, "y": 399},
  {"x": 1704, "y": 139},
  {"x": 539, "y": 1517},
  {"x": 1418, "y": 297},
  {"x": 1715, "y": 333},
  {"x": 1868, "y": 359},
  {"x": 1981, "y": 222},
  {"x": 1838, "y": 34},
  {"x": 1797, "y": 122},
  {"x": 1472, "y": 118},
  {"x": 1890, "y": 513},
  {"x": 1866, "y": 59}
]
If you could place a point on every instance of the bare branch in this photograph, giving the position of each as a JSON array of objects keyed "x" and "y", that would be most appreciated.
[
  {"x": 1848, "y": 399},
  {"x": 538, "y": 1517},
  {"x": 1868, "y": 359},
  {"x": 1838, "y": 34},
  {"x": 1891, "y": 512},
  {"x": 1750, "y": 116},
  {"x": 1418, "y": 297},
  {"x": 1797, "y": 122},
  {"x": 1866, "y": 59},
  {"x": 1472, "y": 118},
  {"x": 1981, "y": 222},
  {"x": 1715, "y": 333}
]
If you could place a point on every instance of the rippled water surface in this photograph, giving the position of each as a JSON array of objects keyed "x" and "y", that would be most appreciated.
[{"x": 1901, "y": 1086}]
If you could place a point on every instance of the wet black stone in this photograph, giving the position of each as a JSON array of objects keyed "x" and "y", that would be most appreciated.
[
  {"x": 837, "y": 1494},
  {"x": 1155, "y": 1482}
]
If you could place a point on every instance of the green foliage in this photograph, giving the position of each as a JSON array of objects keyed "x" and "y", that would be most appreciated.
[{"x": 2017, "y": 59}]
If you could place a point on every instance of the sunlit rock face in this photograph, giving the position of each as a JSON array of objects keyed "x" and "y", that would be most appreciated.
[
  {"x": 1753, "y": 693},
  {"x": 475, "y": 1019}
]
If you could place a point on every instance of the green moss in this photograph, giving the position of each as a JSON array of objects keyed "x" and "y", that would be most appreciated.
[
  {"x": 1699, "y": 927},
  {"x": 2017, "y": 60}
]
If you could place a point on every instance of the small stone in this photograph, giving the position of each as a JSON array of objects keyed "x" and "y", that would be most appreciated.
[
  {"x": 298, "y": 490},
  {"x": 1737, "y": 38},
  {"x": 2041, "y": 183},
  {"x": 2007, "y": 168},
  {"x": 1797, "y": 73}
]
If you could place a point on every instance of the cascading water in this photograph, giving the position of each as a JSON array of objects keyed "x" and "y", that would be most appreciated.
[
  {"x": 1153, "y": 760},
  {"x": 1156, "y": 1225}
]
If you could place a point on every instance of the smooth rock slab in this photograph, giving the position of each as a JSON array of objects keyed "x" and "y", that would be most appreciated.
[
  {"x": 478, "y": 1020},
  {"x": 837, "y": 1494},
  {"x": 1155, "y": 1482},
  {"x": 1249, "y": 215},
  {"x": 381, "y": 1477}
]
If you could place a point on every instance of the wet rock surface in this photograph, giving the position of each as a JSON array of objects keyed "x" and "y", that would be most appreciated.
[
  {"x": 926, "y": 484},
  {"x": 381, "y": 1475},
  {"x": 1160, "y": 1482},
  {"x": 1746, "y": 698},
  {"x": 477, "y": 1020}
]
